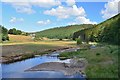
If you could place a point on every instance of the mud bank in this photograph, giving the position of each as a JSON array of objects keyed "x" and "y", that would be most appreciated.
[
  {"x": 75, "y": 66},
  {"x": 20, "y": 57}
]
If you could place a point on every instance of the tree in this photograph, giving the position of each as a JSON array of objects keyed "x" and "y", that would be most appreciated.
[
  {"x": 18, "y": 32},
  {"x": 79, "y": 41},
  {"x": 4, "y": 33},
  {"x": 91, "y": 37},
  {"x": 15, "y": 31},
  {"x": 10, "y": 31}
]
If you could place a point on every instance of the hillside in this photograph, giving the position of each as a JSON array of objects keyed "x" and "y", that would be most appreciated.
[
  {"x": 107, "y": 31},
  {"x": 62, "y": 32}
]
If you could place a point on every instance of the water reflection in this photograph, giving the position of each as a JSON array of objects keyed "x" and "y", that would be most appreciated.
[{"x": 16, "y": 70}]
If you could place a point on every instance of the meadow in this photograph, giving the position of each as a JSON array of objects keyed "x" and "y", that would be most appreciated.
[
  {"x": 102, "y": 60},
  {"x": 21, "y": 47}
]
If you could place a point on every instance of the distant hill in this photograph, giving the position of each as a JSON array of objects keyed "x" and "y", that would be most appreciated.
[
  {"x": 107, "y": 31},
  {"x": 62, "y": 32}
]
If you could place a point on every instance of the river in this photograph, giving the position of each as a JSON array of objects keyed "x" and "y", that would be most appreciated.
[{"x": 17, "y": 69}]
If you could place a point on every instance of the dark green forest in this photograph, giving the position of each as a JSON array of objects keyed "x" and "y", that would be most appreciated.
[{"x": 106, "y": 32}]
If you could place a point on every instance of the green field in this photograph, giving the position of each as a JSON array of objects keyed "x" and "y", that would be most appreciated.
[{"x": 102, "y": 60}]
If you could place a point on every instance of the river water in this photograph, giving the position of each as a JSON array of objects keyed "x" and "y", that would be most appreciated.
[{"x": 17, "y": 69}]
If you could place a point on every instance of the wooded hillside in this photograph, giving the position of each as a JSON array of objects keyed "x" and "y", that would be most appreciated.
[
  {"x": 62, "y": 32},
  {"x": 107, "y": 31}
]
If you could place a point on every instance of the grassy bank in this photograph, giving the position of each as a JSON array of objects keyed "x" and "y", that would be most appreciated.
[
  {"x": 20, "y": 57},
  {"x": 102, "y": 60},
  {"x": 16, "y": 51}
]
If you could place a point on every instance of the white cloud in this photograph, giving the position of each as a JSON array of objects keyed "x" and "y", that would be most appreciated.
[
  {"x": 24, "y": 9},
  {"x": 44, "y": 22},
  {"x": 111, "y": 9},
  {"x": 65, "y": 12},
  {"x": 16, "y": 20},
  {"x": 41, "y": 3},
  {"x": 84, "y": 20},
  {"x": 70, "y": 2},
  {"x": 72, "y": 23},
  {"x": 26, "y": 5},
  {"x": 46, "y": 3}
]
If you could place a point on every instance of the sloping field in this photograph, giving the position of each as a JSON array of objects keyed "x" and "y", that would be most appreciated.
[{"x": 19, "y": 38}]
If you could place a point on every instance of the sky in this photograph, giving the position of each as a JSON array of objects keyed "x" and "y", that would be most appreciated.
[{"x": 37, "y": 15}]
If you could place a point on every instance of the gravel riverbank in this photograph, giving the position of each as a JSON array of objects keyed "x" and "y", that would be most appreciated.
[{"x": 75, "y": 66}]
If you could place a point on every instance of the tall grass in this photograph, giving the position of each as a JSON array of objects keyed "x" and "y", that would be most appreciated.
[{"x": 101, "y": 62}]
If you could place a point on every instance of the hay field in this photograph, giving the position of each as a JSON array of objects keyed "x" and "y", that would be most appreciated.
[{"x": 19, "y": 38}]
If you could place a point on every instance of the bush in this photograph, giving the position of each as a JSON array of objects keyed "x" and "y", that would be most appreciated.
[
  {"x": 97, "y": 54},
  {"x": 78, "y": 41},
  {"x": 18, "y": 32},
  {"x": 60, "y": 39}
]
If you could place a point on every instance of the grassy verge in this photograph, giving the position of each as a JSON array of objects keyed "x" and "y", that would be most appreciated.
[{"x": 102, "y": 61}]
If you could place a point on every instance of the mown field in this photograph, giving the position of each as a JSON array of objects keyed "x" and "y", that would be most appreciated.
[{"x": 102, "y": 60}]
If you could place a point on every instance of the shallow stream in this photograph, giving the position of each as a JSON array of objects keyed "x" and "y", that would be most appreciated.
[{"x": 17, "y": 69}]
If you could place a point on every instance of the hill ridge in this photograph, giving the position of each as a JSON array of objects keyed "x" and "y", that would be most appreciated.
[{"x": 62, "y": 32}]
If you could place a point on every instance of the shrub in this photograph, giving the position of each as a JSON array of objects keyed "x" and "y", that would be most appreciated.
[
  {"x": 60, "y": 39},
  {"x": 78, "y": 41},
  {"x": 97, "y": 54}
]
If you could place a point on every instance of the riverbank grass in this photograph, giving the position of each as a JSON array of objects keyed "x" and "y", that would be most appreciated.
[
  {"x": 102, "y": 60},
  {"x": 12, "y": 52}
]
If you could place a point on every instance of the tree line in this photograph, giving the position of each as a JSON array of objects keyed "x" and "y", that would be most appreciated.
[
  {"x": 15, "y": 31},
  {"x": 4, "y": 33}
]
